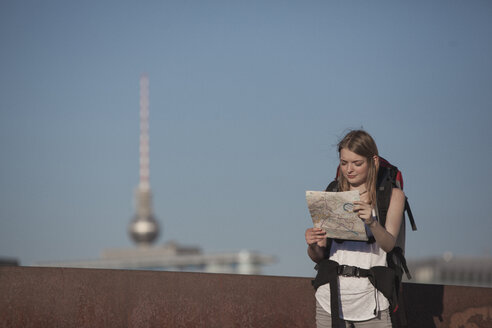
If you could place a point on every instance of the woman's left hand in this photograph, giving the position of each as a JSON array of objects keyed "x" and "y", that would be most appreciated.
[{"x": 364, "y": 211}]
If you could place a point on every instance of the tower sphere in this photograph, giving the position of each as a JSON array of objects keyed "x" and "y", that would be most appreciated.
[{"x": 143, "y": 230}]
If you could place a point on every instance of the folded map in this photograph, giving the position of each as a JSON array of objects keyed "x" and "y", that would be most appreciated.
[{"x": 333, "y": 212}]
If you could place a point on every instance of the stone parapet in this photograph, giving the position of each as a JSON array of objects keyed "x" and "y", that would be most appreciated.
[{"x": 62, "y": 297}]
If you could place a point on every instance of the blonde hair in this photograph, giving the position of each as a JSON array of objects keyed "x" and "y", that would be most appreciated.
[{"x": 361, "y": 143}]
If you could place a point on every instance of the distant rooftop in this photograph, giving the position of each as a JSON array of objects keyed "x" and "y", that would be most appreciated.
[{"x": 172, "y": 257}]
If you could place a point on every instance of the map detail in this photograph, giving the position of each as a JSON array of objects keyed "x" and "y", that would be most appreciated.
[{"x": 333, "y": 212}]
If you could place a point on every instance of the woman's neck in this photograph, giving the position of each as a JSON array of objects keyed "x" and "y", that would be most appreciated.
[{"x": 361, "y": 188}]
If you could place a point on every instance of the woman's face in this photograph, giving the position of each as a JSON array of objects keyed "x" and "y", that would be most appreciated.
[{"x": 354, "y": 167}]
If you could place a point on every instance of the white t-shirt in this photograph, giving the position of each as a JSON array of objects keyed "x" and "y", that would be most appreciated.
[{"x": 357, "y": 295}]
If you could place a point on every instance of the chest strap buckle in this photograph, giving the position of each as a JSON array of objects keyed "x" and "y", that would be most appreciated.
[{"x": 348, "y": 271}]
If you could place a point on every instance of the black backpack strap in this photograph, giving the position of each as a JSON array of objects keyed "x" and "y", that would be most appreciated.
[
  {"x": 328, "y": 274},
  {"x": 400, "y": 263},
  {"x": 396, "y": 261},
  {"x": 410, "y": 215},
  {"x": 326, "y": 254},
  {"x": 333, "y": 186},
  {"x": 384, "y": 187}
]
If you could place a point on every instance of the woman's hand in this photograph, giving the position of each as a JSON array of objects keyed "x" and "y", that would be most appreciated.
[
  {"x": 315, "y": 236},
  {"x": 316, "y": 239},
  {"x": 364, "y": 211}
]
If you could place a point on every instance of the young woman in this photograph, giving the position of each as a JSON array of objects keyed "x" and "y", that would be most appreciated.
[{"x": 360, "y": 304}]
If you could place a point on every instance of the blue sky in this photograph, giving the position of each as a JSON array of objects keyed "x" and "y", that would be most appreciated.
[{"x": 247, "y": 102}]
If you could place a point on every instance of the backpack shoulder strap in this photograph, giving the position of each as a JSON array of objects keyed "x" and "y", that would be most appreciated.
[
  {"x": 333, "y": 186},
  {"x": 384, "y": 187}
]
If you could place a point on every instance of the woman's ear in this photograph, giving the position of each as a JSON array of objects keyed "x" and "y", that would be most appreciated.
[{"x": 376, "y": 161}]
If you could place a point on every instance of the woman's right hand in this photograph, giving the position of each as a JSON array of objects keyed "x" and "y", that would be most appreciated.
[{"x": 315, "y": 236}]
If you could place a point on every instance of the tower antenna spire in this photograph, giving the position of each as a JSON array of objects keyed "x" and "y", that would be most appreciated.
[
  {"x": 144, "y": 229},
  {"x": 144, "y": 133}
]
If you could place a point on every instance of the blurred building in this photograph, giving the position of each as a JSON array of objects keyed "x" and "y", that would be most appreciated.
[
  {"x": 173, "y": 257},
  {"x": 452, "y": 270},
  {"x": 8, "y": 261}
]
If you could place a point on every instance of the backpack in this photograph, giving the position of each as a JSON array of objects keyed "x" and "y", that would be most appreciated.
[{"x": 389, "y": 177}]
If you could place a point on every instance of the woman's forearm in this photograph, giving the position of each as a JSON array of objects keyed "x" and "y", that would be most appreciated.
[
  {"x": 384, "y": 239},
  {"x": 386, "y": 236},
  {"x": 316, "y": 253}
]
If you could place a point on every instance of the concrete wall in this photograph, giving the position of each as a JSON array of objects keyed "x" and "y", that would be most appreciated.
[{"x": 57, "y": 297}]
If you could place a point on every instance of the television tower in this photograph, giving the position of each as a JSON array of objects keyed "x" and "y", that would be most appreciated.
[{"x": 143, "y": 228}]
